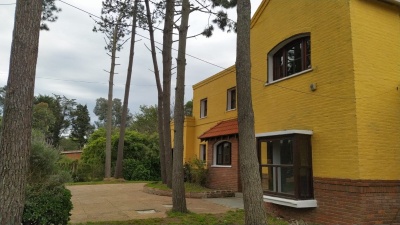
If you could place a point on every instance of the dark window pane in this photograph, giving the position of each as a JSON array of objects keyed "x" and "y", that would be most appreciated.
[
  {"x": 292, "y": 58},
  {"x": 223, "y": 154},
  {"x": 286, "y": 151},
  {"x": 233, "y": 99},
  {"x": 286, "y": 180},
  {"x": 305, "y": 183}
]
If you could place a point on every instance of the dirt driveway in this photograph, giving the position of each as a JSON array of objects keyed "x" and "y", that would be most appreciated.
[{"x": 118, "y": 202}]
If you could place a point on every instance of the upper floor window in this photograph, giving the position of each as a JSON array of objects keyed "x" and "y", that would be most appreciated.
[
  {"x": 203, "y": 108},
  {"x": 231, "y": 99},
  {"x": 289, "y": 58},
  {"x": 222, "y": 154}
]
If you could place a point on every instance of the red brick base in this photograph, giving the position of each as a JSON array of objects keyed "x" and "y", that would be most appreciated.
[
  {"x": 224, "y": 178},
  {"x": 342, "y": 201}
]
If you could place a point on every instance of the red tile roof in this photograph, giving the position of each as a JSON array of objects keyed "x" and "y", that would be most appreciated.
[{"x": 224, "y": 128}]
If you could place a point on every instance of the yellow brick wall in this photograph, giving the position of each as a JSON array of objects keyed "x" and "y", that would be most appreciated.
[
  {"x": 376, "y": 55},
  {"x": 290, "y": 104},
  {"x": 354, "y": 113},
  {"x": 215, "y": 90}
]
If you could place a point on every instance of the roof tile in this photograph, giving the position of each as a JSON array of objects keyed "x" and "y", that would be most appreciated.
[{"x": 223, "y": 128}]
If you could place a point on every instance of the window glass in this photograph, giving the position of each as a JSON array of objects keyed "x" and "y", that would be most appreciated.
[
  {"x": 278, "y": 165},
  {"x": 202, "y": 153},
  {"x": 223, "y": 154},
  {"x": 203, "y": 108},
  {"x": 231, "y": 99},
  {"x": 292, "y": 58}
]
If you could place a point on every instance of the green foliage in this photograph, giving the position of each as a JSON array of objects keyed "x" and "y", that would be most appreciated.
[
  {"x": 2, "y": 98},
  {"x": 100, "y": 110},
  {"x": 48, "y": 10},
  {"x": 141, "y": 159},
  {"x": 67, "y": 144},
  {"x": 188, "y": 108},
  {"x": 43, "y": 160},
  {"x": 43, "y": 118},
  {"x": 145, "y": 121},
  {"x": 195, "y": 171},
  {"x": 47, "y": 204},
  {"x": 81, "y": 127},
  {"x": 88, "y": 172},
  {"x": 47, "y": 199},
  {"x": 189, "y": 187},
  {"x": 137, "y": 170},
  {"x": 62, "y": 109}
]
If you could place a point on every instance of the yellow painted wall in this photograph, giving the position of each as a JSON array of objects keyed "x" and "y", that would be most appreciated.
[
  {"x": 354, "y": 136},
  {"x": 376, "y": 55},
  {"x": 290, "y": 104},
  {"x": 215, "y": 90},
  {"x": 188, "y": 137}
]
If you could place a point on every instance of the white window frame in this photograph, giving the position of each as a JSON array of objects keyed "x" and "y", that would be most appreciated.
[
  {"x": 203, "y": 108},
  {"x": 270, "y": 59},
  {"x": 229, "y": 105},
  {"x": 214, "y": 164}
]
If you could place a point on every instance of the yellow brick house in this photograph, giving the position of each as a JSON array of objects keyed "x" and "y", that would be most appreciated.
[{"x": 326, "y": 99}]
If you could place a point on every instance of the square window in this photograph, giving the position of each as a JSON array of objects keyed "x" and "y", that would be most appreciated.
[
  {"x": 203, "y": 108},
  {"x": 231, "y": 99}
]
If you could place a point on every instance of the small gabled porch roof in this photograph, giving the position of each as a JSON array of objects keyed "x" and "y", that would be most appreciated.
[{"x": 222, "y": 129}]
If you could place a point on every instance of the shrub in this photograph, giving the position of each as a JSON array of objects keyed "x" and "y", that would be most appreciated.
[
  {"x": 88, "y": 172},
  {"x": 141, "y": 156},
  {"x": 195, "y": 172},
  {"x": 48, "y": 203},
  {"x": 139, "y": 170}
]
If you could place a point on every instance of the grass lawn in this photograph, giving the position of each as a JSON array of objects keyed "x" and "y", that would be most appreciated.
[
  {"x": 110, "y": 181},
  {"x": 189, "y": 187},
  {"x": 231, "y": 217}
]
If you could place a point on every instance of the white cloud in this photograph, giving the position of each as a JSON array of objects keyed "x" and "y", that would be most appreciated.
[{"x": 72, "y": 58}]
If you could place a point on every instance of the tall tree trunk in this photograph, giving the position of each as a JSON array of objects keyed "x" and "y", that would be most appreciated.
[
  {"x": 120, "y": 156},
  {"x": 167, "y": 65},
  {"x": 178, "y": 187},
  {"x": 107, "y": 167},
  {"x": 15, "y": 142},
  {"x": 249, "y": 171},
  {"x": 160, "y": 95}
]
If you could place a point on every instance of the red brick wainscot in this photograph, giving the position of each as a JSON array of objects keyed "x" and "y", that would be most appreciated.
[
  {"x": 344, "y": 201},
  {"x": 224, "y": 177}
]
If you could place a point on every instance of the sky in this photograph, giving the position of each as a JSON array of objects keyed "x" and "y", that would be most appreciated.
[{"x": 72, "y": 60}]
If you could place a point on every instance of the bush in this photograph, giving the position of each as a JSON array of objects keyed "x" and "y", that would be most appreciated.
[
  {"x": 88, "y": 172},
  {"x": 47, "y": 204},
  {"x": 141, "y": 157},
  {"x": 139, "y": 170},
  {"x": 195, "y": 172},
  {"x": 47, "y": 201}
]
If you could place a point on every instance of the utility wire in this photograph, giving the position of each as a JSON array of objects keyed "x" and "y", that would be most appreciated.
[
  {"x": 231, "y": 69},
  {"x": 192, "y": 56}
]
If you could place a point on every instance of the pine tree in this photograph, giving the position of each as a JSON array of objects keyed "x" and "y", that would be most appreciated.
[
  {"x": 15, "y": 143},
  {"x": 80, "y": 126}
]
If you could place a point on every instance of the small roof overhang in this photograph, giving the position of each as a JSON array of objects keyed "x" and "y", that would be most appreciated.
[{"x": 222, "y": 129}]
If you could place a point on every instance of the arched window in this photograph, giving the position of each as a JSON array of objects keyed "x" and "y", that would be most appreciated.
[
  {"x": 222, "y": 154},
  {"x": 289, "y": 58}
]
